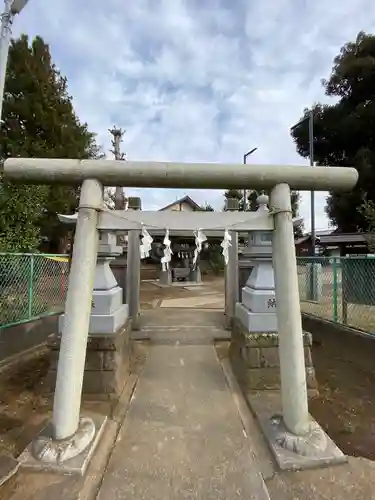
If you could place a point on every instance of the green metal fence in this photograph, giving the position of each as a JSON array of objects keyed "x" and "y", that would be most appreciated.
[
  {"x": 31, "y": 286},
  {"x": 339, "y": 289}
]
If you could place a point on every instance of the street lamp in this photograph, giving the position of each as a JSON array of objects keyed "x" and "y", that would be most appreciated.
[
  {"x": 244, "y": 191},
  {"x": 310, "y": 117},
  {"x": 11, "y": 9}
]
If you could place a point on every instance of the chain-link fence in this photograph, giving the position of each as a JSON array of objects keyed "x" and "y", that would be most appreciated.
[
  {"x": 340, "y": 289},
  {"x": 31, "y": 286}
]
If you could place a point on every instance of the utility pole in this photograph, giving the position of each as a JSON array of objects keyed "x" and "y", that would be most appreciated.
[
  {"x": 11, "y": 9},
  {"x": 120, "y": 202},
  {"x": 314, "y": 266},
  {"x": 310, "y": 118},
  {"x": 312, "y": 194},
  {"x": 245, "y": 190},
  {"x": 117, "y": 134}
]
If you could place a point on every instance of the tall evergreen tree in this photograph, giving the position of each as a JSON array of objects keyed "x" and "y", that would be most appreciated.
[
  {"x": 38, "y": 121},
  {"x": 344, "y": 132}
]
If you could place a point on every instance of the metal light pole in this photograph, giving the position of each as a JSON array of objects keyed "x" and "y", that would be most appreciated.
[
  {"x": 11, "y": 9},
  {"x": 245, "y": 191},
  {"x": 310, "y": 117},
  {"x": 313, "y": 277}
]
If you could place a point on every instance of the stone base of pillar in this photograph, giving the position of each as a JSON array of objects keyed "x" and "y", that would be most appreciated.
[
  {"x": 291, "y": 452},
  {"x": 165, "y": 277},
  {"x": 195, "y": 275},
  {"x": 45, "y": 454},
  {"x": 255, "y": 360},
  {"x": 107, "y": 365}
]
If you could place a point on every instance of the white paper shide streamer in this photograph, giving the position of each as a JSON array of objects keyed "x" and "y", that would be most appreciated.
[
  {"x": 165, "y": 260},
  {"x": 145, "y": 248},
  {"x": 225, "y": 244},
  {"x": 200, "y": 238}
]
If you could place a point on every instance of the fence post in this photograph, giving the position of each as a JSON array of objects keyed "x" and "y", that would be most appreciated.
[
  {"x": 344, "y": 285},
  {"x": 30, "y": 288},
  {"x": 335, "y": 291}
]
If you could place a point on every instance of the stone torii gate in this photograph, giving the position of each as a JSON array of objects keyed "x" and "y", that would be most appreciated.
[{"x": 71, "y": 437}]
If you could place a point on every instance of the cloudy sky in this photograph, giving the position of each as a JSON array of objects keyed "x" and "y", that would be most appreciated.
[{"x": 197, "y": 80}]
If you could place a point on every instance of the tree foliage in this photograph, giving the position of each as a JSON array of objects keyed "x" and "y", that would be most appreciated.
[
  {"x": 368, "y": 211},
  {"x": 38, "y": 121},
  {"x": 205, "y": 208},
  {"x": 233, "y": 193},
  {"x": 344, "y": 132}
]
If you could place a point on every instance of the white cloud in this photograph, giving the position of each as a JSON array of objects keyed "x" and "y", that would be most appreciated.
[{"x": 198, "y": 81}]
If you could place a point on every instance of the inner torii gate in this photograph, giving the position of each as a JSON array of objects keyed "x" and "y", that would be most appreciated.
[
  {"x": 70, "y": 434},
  {"x": 211, "y": 223}
]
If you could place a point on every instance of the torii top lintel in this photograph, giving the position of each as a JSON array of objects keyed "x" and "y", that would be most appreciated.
[
  {"x": 178, "y": 175},
  {"x": 180, "y": 223}
]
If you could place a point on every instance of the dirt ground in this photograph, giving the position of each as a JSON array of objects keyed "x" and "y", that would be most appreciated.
[
  {"x": 344, "y": 407},
  {"x": 22, "y": 405}
]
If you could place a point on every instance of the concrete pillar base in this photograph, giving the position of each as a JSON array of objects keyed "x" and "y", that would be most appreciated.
[
  {"x": 291, "y": 452},
  {"x": 255, "y": 360},
  {"x": 68, "y": 456},
  {"x": 107, "y": 364},
  {"x": 195, "y": 275},
  {"x": 165, "y": 277}
]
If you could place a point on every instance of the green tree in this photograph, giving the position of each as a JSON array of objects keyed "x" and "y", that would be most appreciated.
[
  {"x": 368, "y": 211},
  {"x": 233, "y": 193},
  {"x": 38, "y": 121},
  {"x": 232, "y": 199},
  {"x": 205, "y": 208},
  {"x": 344, "y": 132}
]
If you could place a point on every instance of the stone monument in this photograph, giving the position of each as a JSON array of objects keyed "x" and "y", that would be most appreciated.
[
  {"x": 108, "y": 347},
  {"x": 255, "y": 341}
]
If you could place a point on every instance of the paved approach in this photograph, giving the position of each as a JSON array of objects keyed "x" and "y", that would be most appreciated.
[{"x": 182, "y": 437}]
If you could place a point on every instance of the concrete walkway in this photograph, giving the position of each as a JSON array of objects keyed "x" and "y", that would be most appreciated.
[{"x": 182, "y": 437}]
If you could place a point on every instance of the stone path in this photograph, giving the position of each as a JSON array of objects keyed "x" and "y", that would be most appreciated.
[
  {"x": 204, "y": 295},
  {"x": 183, "y": 295},
  {"x": 182, "y": 437},
  {"x": 209, "y": 301}
]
